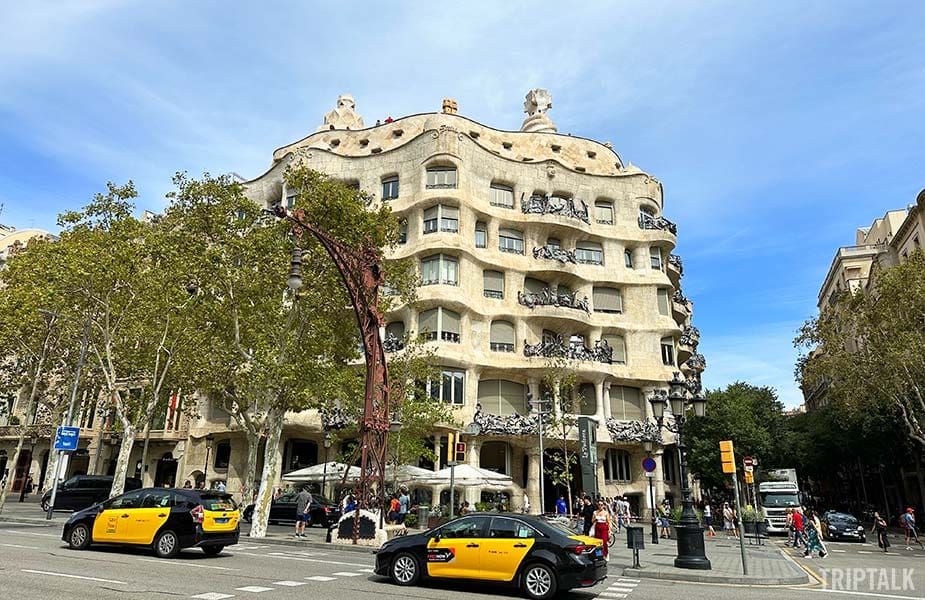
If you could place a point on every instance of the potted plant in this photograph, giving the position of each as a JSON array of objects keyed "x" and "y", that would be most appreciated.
[{"x": 751, "y": 518}]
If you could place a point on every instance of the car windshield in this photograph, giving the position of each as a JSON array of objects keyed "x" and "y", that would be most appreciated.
[
  {"x": 217, "y": 501},
  {"x": 845, "y": 519},
  {"x": 779, "y": 499}
]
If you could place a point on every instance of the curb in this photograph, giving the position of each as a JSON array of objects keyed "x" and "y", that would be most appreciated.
[
  {"x": 745, "y": 580},
  {"x": 29, "y": 520}
]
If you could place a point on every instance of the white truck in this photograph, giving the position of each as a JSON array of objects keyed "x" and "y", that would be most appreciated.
[{"x": 777, "y": 495}]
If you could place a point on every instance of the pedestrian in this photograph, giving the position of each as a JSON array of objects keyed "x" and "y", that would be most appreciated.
[
  {"x": 303, "y": 507},
  {"x": 602, "y": 526},
  {"x": 187, "y": 485},
  {"x": 464, "y": 508},
  {"x": 729, "y": 520},
  {"x": 404, "y": 502},
  {"x": 813, "y": 536},
  {"x": 389, "y": 119},
  {"x": 799, "y": 524},
  {"x": 526, "y": 504},
  {"x": 350, "y": 504},
  {"x": 880, "y": 526},
  {"x": 708, "y": 518},
  {"x": 908, "y": 521},
  {"x": 221, "y": 486},
  {"x": 587, "y": 515},
  {"x": 561, "y": 507},
  {"x": 394, "y": 508},
  {"x": 663, "y": 521},
  {"x": 625, "y": 512},
  {"x": 789, "y": 513}
]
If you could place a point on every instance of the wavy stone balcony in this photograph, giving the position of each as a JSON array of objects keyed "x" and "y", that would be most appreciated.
[
  {"x": 696, "y": 363},
  {"x": 675, "y": 269},
  {"x": 556, "y": 205},
  {"x": 690, "y": 336},
  {"x": 680, "y": 307},
  {"x": 557, "y": 348},
  {"x": 555, "y": 253},
  {"x": 647, "y": 221},
  {"x": 549, "y": 298}
]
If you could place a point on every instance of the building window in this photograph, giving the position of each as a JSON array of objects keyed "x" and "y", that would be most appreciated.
[
  {"x": 222, "y": 454},
  {"x": 481, "y": 235},
  {"x": 394, "y": 336},
  {"x": 390, "y": 188},
  {"x": 495, "y": 456},
  {"x": 502, "y": 337},
  {"x": 587, "y": 398},
  {"x": 439, "y": 324},
  {"x": 625, "y": 403},
  {"x": 618, "y": 345},
  {"x": 646, "y": 213},
  {"x": 589, "y": 253},
  {"x": 668, "y": 351},
  {"x": 440, "y": 268},
  {"x": 607, "y": 300},
  {"x": 441, "y": 178},
  {"x": 663, "y": 300},
  {"x": 554, "y": 243},
  {"x": 501, "y": 397},
  {"x": 603, "y": 213},
  {"x": 617, "y": 465},
  {"x": 449, "y": 387},
  {"x": 442, "y": 217},
  {"x": 511, "y": 240},
  {"x": 670, "y": 464},
  {"x": 628, "y": 258},
  {"x": 403, "y": 231},
  {"x": 493, "y": 284},
  {"x": 655, "y": 255},
  {"x": 502, "y": 196},
  {"x": 301, "y": 453}
]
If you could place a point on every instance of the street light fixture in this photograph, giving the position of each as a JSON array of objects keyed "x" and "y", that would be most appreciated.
[
  {"x": 295, "y": 270},
  {"x": 324, "y": 473},
  {"x": 691, "y": 551}
]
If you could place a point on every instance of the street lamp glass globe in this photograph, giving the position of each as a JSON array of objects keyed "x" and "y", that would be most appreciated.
[
  {"x": 658, "y": 406},
  {"x": 700, "y": 405}
]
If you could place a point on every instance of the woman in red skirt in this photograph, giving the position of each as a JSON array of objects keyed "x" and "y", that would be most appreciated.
[{"x": 602, "y": 525}]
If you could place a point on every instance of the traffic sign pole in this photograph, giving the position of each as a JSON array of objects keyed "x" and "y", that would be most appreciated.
[{"x": 648, "y": 465}]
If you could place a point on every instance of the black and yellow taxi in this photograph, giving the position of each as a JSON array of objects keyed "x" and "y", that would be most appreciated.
[
  {"x": 540, "y": 557},
  {"x": 164, "y": 519}
]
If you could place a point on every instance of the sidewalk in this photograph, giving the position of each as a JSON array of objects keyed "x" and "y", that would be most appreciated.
[{"x": 767, "y": 565}]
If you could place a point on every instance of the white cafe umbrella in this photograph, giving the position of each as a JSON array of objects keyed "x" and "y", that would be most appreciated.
[
  {"x": 316, "y": 473},
  {"x": 407, "y": 474},
  {"x": 468, "y": 476}
]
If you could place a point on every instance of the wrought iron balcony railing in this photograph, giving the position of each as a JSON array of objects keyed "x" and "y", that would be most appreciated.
[
  {"x": 675, "y": 261},
  {"x": 549, "y": 298},
  {"x": 696, "y": 362},
  {"x": 647, "y": 221},
  {"x": 556, "y": 205},
  {"x": 555, "y": 253},
  {"x": 501, "y": 347},
  {"x": 393, "y": 344},
  {"x": 690, "y": 336},
  {"x": 556, "y": 348},
  {"x": 679, "y": 297},
  {"x": 496, "y": 294}
]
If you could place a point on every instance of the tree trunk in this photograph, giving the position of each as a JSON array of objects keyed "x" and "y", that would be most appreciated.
[
  {"x": 250, "y": 471},
  {"x": 271, "y": 467},
  {"x": 15, "y": 461},
  {"x": 144, "y": 454},
  {"x": 125, "y": 452},
  {"x": 53, "y": 457}
]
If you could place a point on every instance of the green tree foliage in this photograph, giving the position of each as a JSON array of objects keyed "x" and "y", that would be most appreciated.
[
  {"x": 866, "y": 350},
  {"x": 752, "y": 417}
]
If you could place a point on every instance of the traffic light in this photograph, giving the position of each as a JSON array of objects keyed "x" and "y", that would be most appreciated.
[
  {"x": 460, "y": 452},
  {"x": 727, "y": 455},
  {"x": 450, "y": 447}
]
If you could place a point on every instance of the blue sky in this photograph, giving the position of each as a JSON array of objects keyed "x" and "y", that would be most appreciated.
[{"x": 776, "y": 128}]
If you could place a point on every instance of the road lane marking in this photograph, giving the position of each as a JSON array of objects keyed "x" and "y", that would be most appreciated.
[
  {"x": 320, "y": 578},
  {"x": 864, "y": 552},
  {"x": 289, "y": 583},
  {"x": 368, "y": 570},
  {"x": 612, "y": 595},
  {"x": 186, "y": 564},
  {"x": 18, "y": 546},
  {"x": 628, "y": 579},
  {"x": 51, "y": 535},
  {"x": 73, "y": 576},
  {"x": 212, "y": 596},
  {"x": 284, "y": 556},
  {"x": 255, "y": 589},
  {"x": 620, "y": 589},
  {"x": 346, "y": 574},
  {"x": 872, "y": 594}
]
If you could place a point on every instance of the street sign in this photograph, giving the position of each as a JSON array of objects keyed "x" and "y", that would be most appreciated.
[
  {"x": 648, "y": 464},
  {"x": 749, "y": 476},
  {"x": 727, "y": 455},
  {"x": 747, "y": 461},
  {"x": 650, "y": 474},
  {"x": 67, "y": 438},
  {"x": 749, "y": 468}
]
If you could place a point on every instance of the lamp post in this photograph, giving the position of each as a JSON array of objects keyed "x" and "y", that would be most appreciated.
[
  {"x": 691, "y": 551},
  {"x": 205, "y": 468},
  {"x": 324, "y": 474},
  {"x": 33, "y": 439},
  {"x": 648, "y": 446},
  {"x": 542, "y": 408}
]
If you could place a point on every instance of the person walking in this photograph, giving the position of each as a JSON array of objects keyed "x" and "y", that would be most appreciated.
[
  {"x": 602, "y": 526},
  {"x": 798, "y": 526},
  {"x": 708, "y": 518},
  {"x": 587, "y": 515},
  {"x": 789, "y": 515},
  {"x": 908, "y": 523},
  {"x": 303, "y": 504},
  {"x": 729, "y": 521},
  {"x": 880, "y": 526},
  {"x": 561, "y": 507},
  {"x": 813, "y": 531},
  {"x": 404, "y": 505},
  {"x": 664, "y": 523},
  {"x": 220, "y": 487}
]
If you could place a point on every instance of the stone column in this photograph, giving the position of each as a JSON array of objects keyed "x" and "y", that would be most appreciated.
[
  {"x": 599, "y": 395},
  {"x": 641, "y": 258},
  {"x": 659, "y": 475},
  {"x": 606, "y": 395},
  {"x": 533, "y": 481}
]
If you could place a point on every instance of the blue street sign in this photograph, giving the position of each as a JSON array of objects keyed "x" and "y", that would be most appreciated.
[
  {"x": 648, "y": 464},
  {"x": 67, "y": 438}
]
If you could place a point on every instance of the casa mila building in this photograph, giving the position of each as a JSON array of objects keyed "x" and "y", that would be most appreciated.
[{"x": 536, "y": 251}]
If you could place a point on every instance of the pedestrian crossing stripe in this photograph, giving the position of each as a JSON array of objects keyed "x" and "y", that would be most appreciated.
[
  {"x": 212, "y": 596},
  {"x": 320, "y": 578},
  {"x": 254, "y": 589},
  {"x": 346, "y": 574},
  {"x": 628, "y": 579},
  {"x": 289, "y": 583},
  {"x": 612, "y": 595}
]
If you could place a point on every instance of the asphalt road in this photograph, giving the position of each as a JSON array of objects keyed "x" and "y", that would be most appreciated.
[{"x": 36, "y": 565}]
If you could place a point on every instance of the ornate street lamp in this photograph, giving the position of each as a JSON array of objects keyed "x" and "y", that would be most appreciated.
[
  {"x": 324, "y": 474},
  {"x": 691, "y": 551}
]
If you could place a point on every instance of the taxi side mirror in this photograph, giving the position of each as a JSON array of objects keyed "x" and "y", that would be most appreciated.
[{"x": 436, "y": 539}]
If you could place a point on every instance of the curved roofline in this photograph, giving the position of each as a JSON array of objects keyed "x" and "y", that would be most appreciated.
[{"x": 576, "y": 137}]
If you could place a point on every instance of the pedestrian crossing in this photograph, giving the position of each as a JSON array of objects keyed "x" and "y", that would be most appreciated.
[
  {"x": 619, "y": 589},
  {"x": 248, "y": 590}
]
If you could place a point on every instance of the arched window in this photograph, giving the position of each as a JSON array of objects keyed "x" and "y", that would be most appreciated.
[
  {"x": 496, "y": 456},
  {"x": 603, "y": 212},
  {"x": 439, "y": 323},
  {"x": 628, "y": 258},
  {"x": 587, "y": 399},
  {"x": 449, "y": 387},
  {"x": 390, "y": 187},
  {"x": 441, "y": 178},
  {"x": 481, "y": 235},
  {"x": 511, "y": 240},
  {"x": 502, "y": 196},
  {"x": 534, "y": 286},
  {"x": 503, "y": 338},
  {"x": 625, "y": 403},
  {"x": 502, "y": 397},
  {"x": 618, "y": 345},
  {"x": 607, "y": 300},
  {"x": 589, "y": 253},
  {"x": 617, "y": 465},
  {"x": 441, "y": 217},
  {"x": 440, "y": 268},
  {"x": 493, "y": 282}
]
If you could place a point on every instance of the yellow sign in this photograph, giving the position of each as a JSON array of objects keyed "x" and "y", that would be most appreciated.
[
  {"x": 727, "y": 455},
  {"x": 749, "y": 477},
  {"x": 450, "y": 447}
]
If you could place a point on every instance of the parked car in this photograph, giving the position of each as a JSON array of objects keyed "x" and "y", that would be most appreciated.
[
  {"x": 323, "y": 512},
  {"x": 164, "y": 519},
  {"x": 539, "y": 557},
  {"x": 81, "y": 491},
  {"x": 842, "y": 526}
]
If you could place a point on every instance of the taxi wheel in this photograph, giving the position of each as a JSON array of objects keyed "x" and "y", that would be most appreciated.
[
  {"x": 539, "y": 582},
  {"x": 405, "y": 569},
  {"x": 79, "y": 538},
  {"x": 166, "y": 544},
  {"x": 212, "y": 550}
]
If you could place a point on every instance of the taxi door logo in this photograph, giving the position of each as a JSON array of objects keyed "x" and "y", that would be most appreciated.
[
  {"x": 441, "y": 555},
  {"x": 111, "y": 523}
]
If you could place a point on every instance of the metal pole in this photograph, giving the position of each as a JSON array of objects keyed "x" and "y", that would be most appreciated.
[
  {"x": 452, "y": 483},
  {"x": 70, "y": 415},
  {"x": 735, "y": 484},
  {"x": 542, "y": 471},
  {"x": 652, "y": 504}
]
